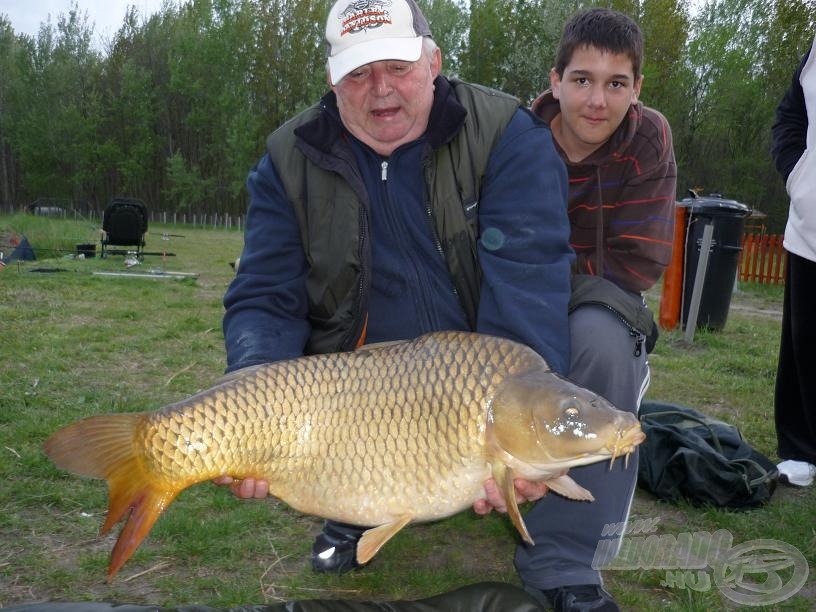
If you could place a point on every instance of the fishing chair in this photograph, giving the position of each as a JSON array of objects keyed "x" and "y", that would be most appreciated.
[{"x": 124, "y": 223}]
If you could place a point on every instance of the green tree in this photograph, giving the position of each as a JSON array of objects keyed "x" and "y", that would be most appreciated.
[
  {"x": 789, "y": 35},
  {"x": 9, "y": 77},
  {"x": 724, "y": 146},
  {"x": 55, "y": 130},
  {"x": 449, "y": 22},
  {"x": 535, "y": 27},
  {"x": 177, "y": 108},
  {"x": 511, "y": 44},
  {"x": 488, "y": 42},
  {"x": 665, "y": 25},
  {"x": 187, "y": 187}
]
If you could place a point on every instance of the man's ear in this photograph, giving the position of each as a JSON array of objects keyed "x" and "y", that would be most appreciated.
[
  {"x": 436, "y": 62},
  {"x": 555, "y": 83}
]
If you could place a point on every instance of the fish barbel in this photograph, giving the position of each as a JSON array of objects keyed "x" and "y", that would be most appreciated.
[{"x": 382, "y": 436}]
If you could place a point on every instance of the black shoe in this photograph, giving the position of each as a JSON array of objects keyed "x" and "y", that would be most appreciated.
[
  {"x": 335, "y": 551},
  {"x": 581, "y": 598}
]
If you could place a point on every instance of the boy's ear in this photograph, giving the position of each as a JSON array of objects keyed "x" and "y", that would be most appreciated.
[{"x": 636, "y": 89}]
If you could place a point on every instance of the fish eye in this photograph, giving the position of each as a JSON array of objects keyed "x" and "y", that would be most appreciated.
[{"x": 571, "y": 412}]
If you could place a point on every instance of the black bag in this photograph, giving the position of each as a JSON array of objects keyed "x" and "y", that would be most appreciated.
[{"x": 688, "y": 455}]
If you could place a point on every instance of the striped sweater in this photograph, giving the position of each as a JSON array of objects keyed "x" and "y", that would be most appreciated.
[{"x": 621, "y": 199}]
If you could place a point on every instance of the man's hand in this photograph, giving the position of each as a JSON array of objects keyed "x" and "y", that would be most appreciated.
[
  {"x": 526, "y": 490},
  {"x": 248, "y": 488}
]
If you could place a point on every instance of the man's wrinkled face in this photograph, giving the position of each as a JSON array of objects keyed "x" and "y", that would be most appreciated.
[
  {"x": 386, "y": 104},
  {"x": 594, "y": 93}
]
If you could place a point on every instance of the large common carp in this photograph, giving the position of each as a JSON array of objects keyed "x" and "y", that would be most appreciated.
[{"x": 382, "y": 436}]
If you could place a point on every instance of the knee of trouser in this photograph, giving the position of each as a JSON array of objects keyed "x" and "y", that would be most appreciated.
[
  {"x": 597, "y": 335},
  {"x": 604, "y": 359}
]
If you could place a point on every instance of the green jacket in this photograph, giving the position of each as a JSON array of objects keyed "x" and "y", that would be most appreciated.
[{"x": 318, "y": 170}]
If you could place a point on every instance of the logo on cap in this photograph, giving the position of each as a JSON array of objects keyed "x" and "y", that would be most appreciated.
[{"x": 364, "y": 15}]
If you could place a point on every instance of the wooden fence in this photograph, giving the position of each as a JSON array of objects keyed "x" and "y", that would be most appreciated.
[{"x": 762, "y": 259}]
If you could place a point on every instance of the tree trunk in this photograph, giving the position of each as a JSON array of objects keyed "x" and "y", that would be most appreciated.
[{"x": 5, "y": 176}]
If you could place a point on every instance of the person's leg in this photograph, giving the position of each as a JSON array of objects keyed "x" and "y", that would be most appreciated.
[
  {"x": 573, "y": 539},
  {"x": 795, "y": 393},
  {"x": 335, "y": 548}
]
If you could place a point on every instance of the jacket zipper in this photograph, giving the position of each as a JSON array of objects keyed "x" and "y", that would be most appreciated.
[
  {"x": 430, "y": 318},
  {"x": 361, "y": 308},
  {"x": 426, "y": 164}
]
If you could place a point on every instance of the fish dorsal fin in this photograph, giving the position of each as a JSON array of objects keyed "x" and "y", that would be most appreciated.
[
  {"x": 504, "y": 478},
  {"x": 235, "y": 374},
  {"x": 373, "y": 539},
  {"x": 566, "y": 486},
  {"x": 379, "y": 345}
]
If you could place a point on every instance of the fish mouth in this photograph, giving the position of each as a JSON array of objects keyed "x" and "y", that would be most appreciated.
[{"x": 624, "y": 444}]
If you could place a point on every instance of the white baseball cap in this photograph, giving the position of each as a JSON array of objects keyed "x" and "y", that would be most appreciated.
[{"x": 359, "y": 32}]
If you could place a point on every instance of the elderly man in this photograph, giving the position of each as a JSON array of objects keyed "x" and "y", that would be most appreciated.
[{"x": 403, "y": 202}]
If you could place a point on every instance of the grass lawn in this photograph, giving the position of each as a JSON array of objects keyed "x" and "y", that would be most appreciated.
[{"x": 74, "y": 343}]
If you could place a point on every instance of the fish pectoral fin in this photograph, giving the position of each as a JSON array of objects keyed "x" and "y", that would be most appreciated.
[
  {"x": 374, "y": 539},
  {"x": 566, "y": 486},
  {"x": 504, "y": 478}
]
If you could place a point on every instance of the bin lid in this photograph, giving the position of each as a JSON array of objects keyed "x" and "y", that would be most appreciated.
[{"x": 715, "y": 204}]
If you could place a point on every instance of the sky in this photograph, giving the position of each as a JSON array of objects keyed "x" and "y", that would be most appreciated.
[{"x": 106, "y": 15}]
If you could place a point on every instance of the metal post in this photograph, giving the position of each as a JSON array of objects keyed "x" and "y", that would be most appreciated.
[{"x": 699, "y": 279}]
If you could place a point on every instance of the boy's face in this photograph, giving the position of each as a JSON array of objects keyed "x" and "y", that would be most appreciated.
[{"x": 594, "y": 93}]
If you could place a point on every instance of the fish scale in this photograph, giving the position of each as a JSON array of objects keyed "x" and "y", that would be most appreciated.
[{"x": 378, "y": 437}]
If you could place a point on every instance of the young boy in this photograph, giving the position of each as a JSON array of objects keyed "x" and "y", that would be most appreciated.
[{"x": 622, "y": 184}]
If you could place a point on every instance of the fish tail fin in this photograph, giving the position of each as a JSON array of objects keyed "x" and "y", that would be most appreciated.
[
  {"x": 145, "y": 501},
  {"x": 102, "y": 447}
]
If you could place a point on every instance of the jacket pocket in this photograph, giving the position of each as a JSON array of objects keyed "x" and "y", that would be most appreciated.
[{"x": 630, "y": 308}]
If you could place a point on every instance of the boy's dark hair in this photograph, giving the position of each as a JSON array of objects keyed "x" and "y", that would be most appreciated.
[{"x": 604, "y": 29}]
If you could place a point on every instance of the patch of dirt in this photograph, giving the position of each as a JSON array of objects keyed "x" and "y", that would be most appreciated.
[
  {"x": 743, "y": 302},
  {"x": 751, "y": 310}
]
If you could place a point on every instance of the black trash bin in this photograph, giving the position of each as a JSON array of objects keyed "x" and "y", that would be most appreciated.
[{"x": 728, "y": 219}]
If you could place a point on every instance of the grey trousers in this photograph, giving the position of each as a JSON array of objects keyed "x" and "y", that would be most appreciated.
[{"x": 574, "y": 539}]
